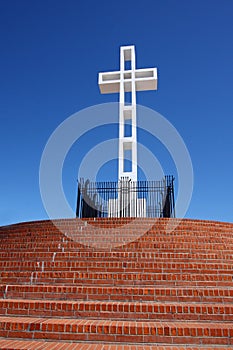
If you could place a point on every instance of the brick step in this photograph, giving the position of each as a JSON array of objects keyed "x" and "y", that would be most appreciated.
[
  {"x": 132, "y": 233},
  {"x": 129, "y": 232},
  {"x": 30, "y": 239},
  {"x": 216, "y": 257},
  {"x": 116, "y": 239},
  {"x": 105, "y": 243},
  {"x": 109, "y": 278},
  {"x": 117, "y": 331},
  {"x": 162, "y": 247},
  {"x": 180, "y": 246},
  {"x": 152, "y": 311},
  {"x": 33, "y": 247},
  {"x": 160, "y": 224},
  {"x": 128, "y": 246},
  {"x": 147, "y": 230},
  {"x": 185, "y": 225},
  {"x": 117, "y": 266},
  {"x": 222, "y": 255},
  {"x": 107, "y": 265},
  {"x": 11, "y": 344},
  {"x": 221, "y": 231},
  {"x": 31, "y": 235},
  {"x": 194, "y": 294}
]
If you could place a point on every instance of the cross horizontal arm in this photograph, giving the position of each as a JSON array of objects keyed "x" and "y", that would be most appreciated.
[{"x": 145, "y": 79}]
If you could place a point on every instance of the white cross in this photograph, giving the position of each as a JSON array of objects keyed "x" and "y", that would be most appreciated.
[{"x": 127, "y": 81}]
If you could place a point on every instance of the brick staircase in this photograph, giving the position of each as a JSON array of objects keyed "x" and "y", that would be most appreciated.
[{"x": 166, "y": 289}]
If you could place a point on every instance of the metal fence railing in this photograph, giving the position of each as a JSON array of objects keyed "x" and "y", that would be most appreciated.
[{"x": 126, "y": 198}]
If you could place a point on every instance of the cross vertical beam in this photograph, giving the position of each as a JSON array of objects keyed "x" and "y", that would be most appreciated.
[{"x": 127, "y": 111}]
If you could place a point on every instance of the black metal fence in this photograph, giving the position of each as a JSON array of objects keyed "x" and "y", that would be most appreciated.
[{"x": 126, "y": 198}]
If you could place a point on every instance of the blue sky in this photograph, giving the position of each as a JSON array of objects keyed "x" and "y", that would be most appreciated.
[{"x": 51, "y": 53}]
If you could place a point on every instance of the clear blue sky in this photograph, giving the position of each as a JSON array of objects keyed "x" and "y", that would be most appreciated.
[{"x": 51, "y": 53}]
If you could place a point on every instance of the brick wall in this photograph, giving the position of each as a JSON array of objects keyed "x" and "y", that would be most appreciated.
[{"x": 154, "y": 288}]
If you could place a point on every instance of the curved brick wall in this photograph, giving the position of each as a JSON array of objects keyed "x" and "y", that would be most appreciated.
[{"x": 166, "y": 289}]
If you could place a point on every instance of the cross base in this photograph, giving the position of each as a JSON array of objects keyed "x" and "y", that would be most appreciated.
[
  {"x": 127, "y": 204},
  {"x": 134, "y": 208}
]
